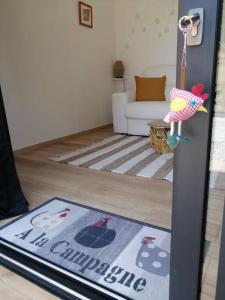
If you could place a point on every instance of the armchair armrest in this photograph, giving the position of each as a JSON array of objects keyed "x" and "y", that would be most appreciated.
[
  {"x": 119, "y": 102},
  {"x": 130, "y": 96}
]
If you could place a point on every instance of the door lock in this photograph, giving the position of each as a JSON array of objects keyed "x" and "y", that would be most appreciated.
[
  {"x": 194, "y": 38},
  {"x": 194, "y": 30}
]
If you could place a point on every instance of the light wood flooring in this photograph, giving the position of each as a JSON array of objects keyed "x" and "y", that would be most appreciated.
[{"x": 134, "y": 197}]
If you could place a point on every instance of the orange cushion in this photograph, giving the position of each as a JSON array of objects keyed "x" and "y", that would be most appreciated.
[{"x": 150, "y": 89}]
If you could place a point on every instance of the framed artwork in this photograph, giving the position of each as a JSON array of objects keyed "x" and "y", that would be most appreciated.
[{"x": 85, "y": 14}]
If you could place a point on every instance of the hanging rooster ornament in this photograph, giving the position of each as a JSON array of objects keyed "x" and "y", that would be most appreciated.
[{"x": 184, "y": 105}]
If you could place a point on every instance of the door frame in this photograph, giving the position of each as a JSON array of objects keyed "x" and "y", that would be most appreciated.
[{"x": 191, "y": 166}]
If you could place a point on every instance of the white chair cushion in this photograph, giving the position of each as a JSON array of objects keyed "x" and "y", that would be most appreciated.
[{"x": 147, "y": 110}]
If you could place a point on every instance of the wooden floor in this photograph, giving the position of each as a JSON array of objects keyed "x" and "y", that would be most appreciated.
[{"x": 134, "y": 197}]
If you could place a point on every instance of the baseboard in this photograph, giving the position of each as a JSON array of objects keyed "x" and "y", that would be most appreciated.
[{"x": 63, "y": 138}]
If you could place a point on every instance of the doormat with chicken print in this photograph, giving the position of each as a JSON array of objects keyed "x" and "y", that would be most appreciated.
[{"x": 117, "y": 256}]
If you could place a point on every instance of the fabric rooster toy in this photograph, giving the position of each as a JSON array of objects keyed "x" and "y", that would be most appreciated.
[{"x": 184, "y": 105}]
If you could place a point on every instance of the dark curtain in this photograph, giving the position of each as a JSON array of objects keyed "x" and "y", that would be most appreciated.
[{"x": 12, "y": 201}]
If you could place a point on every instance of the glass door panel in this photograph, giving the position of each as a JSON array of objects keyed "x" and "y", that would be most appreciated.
[{"x": 217, "y": 180}]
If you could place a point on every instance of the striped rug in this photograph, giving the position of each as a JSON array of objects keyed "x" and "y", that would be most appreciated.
[{"x": 122, "y": 154}]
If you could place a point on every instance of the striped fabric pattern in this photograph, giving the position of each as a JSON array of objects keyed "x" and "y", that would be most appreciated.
[{"x": 122, "y": 154}]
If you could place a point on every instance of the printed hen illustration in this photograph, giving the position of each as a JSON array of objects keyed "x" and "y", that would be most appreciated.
[
  {"x": 48, "y": 220},
  {"x": 97, "y": 235},
  {"x": 153, "y": 259},
  {"x": 184, "y": 105}
]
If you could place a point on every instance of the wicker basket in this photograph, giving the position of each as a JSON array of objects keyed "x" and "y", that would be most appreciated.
[{"x": 158, "y": 136}]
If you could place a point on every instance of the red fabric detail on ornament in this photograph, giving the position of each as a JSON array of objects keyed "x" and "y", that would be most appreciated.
[{"x": 197, "y": 91}]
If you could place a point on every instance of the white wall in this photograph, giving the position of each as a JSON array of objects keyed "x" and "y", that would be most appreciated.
[
  {"x": 146, "y": 37},
  {"x": 55, "y": 74}
]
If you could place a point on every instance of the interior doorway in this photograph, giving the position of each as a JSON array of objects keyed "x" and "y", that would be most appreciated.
[
  {"x": 72, "y": 163},
  {"x": 100, "y": 227}
]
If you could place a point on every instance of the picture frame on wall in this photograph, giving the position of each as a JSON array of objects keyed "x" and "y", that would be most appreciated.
[{"x": 85, "y": 14}]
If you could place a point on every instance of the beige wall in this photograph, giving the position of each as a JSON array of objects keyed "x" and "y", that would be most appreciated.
[
  {"x": 55, "y": 74},
  {"x": 146, "y": 36}
]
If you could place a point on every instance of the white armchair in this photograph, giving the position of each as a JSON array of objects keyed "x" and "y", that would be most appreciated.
[{"x": 132, "y": 117}]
